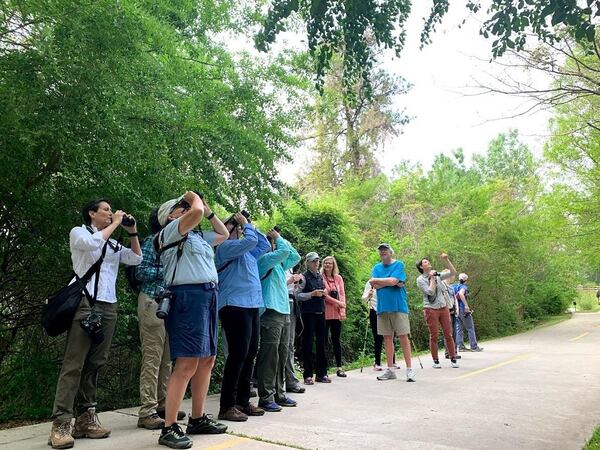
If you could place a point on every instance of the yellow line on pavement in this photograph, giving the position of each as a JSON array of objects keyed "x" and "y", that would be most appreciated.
[
  {"x": 580, "y": 336},
  {"x": 495, "y": 366},
  {"x": 227, "y": 444}
]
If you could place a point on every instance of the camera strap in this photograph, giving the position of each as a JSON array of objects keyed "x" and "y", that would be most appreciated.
[{"x": 161, "y": 248}]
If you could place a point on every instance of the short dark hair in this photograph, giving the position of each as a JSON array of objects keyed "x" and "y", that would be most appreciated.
[
  {"x": 92, "y": 205},
  {"x": 420, "y": 265},
  {"x": 153, "y": 222}
]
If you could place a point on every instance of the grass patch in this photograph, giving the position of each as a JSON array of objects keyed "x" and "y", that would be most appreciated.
[
  {"x": 594, "y": 442},
  {"x": 587, "y": 301}
]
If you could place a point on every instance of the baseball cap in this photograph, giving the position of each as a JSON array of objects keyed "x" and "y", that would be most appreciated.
[
  {"x": 311, "y": 256},
  {"x": 386, "y": 246}
]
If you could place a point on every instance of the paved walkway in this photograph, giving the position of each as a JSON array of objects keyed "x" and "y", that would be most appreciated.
[{"x": 537, "y": 390}]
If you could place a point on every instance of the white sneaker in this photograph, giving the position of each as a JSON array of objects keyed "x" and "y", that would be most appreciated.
[
  {"x": 410, "y": 375},
  {"x": 387, "y": 375},
  {"x": 454, "y": 365},
  {"x": 377, "y": 368},
  {"x": 436, "y": 365}
]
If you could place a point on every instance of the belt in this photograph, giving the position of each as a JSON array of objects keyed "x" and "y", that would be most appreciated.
[{"x": 210, "y": 286}]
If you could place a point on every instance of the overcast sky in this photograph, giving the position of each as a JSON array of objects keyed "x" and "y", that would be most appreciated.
[{"x": 445, "y": 116}]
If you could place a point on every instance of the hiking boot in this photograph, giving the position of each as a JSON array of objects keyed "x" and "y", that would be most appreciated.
[
  {"x": 286, "y": 401},
  {"x": 251, "y": 410},
  {"x": 151, "y": 422},
  {"x": 174, "y": 437},
  {"x": 436, "y": 364},
  {"x": 233, "y": 415},
  {"x": 253, "y": 393},
  {"x": 87, "y": 425},
  {"x": 161, "y": 414},
  {"x": 296, "y": 390},
  {"x": 60, "y": 435},
  {"x": 205, "y": 425},
  {"x": 269, "y": 406},
  {"x": 476, "y": 349},
  {"x": 387, "y": 375},
  {"x": 340, "y": 373},
  {"x": 453, "y": 363},
  {"x": 410, "y": 375}
]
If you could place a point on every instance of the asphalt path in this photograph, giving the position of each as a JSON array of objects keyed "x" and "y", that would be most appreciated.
[{"x": 536, "y": 390}]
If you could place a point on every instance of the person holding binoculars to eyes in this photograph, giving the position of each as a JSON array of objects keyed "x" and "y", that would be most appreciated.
[
  {"x": 93, "y": 326},
  {"x": 155, "y": 366},
  {"x": 274, "y": 323},
  {"x": 191, "y": 319},
  {"x": 240, "y": 297},
  {"x": 435, "y": 306}
]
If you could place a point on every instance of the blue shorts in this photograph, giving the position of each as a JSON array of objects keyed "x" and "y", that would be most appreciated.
[{"x": 192, "y": 321}]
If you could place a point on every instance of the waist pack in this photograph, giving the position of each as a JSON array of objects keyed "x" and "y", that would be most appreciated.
[{"x": 60, "y": 307}]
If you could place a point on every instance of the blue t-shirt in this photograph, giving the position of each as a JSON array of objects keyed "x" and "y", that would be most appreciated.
[
  {"x": 391, "y": 298},
  {"x": 457, "y": 287}
]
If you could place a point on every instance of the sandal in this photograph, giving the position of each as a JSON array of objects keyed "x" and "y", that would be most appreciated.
[
  {"x": 323, "y": 379},
  {"x": 309, "y": 381},
  {"x": 341, "y": 373}
]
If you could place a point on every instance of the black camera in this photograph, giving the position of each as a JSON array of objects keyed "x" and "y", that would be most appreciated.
[
  {"x": 435, "y": 274},
  {"x": 128, "y": 221},
  {"x": 92, "y": 325},
  {"x": 333, "y": 294},
  {"x": 163, "y": 298}
]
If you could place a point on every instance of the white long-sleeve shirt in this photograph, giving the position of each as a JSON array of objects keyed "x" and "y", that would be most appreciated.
[{"x": 86, "y": 249}]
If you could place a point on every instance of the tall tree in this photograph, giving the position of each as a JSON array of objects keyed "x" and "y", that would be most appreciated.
[
  {"x": 346, "y": 26},
  {"x": 349, "y": 131}
]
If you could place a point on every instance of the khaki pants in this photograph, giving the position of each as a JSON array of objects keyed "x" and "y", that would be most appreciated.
[
  {"x": 82, "y": 361},
  {"x": 156, "y": 359}
]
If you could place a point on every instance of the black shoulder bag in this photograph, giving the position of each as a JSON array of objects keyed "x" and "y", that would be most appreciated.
[{"x": 60, "y": 307}]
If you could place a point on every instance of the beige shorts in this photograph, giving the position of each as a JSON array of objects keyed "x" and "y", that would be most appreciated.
[{"x": 393, "y": 323}]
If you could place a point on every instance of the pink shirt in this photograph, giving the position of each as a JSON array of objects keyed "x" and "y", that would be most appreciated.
[{"x": 335, "y": 309}]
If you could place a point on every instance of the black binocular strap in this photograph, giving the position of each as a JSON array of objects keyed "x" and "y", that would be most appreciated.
[{"x": 93, "y": 270}]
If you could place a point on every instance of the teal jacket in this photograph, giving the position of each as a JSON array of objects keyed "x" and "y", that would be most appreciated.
[{"x": 274, "y": 285}]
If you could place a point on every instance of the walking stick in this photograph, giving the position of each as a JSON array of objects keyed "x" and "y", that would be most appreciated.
[
  {"x": 362, "y": 357},
  {"x": 415, "y": 349}
]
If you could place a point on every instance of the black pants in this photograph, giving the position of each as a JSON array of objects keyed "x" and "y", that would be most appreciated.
[
  {"x": 314, "y": 328},
  {"x": 377, "y": 338},
  {"x": 334, "y": 328},
  {"x": 242, "y": 330}
]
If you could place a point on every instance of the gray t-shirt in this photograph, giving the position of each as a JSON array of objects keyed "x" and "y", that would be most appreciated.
[
  {"x": 435, "y": 295},
  {"x": 196, "y": 264}
]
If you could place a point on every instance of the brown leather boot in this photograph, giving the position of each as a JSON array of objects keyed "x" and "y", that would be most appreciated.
[
  {"x": 88, "y": 425},
  {"x": 151, "y": 422},
  {"x": 60, "y": 435}
]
